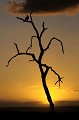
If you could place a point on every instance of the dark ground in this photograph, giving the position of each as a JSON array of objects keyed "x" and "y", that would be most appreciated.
[
  {"x": 64, "y": 113},
  {"x": 40, "y": 109}
]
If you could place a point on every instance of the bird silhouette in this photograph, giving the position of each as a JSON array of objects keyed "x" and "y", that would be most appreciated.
[{"x": 26, "y": 18}]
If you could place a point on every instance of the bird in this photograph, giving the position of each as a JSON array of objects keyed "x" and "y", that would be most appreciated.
[{"x": 26, "y": 18}]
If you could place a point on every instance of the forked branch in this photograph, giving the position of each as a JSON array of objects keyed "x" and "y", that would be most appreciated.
[
  {"x": 22, "y": 53},
  {"x": 50, "y": 68},
  {"x": 43, "y": 30},
  {"x": 59, "y": 78}
]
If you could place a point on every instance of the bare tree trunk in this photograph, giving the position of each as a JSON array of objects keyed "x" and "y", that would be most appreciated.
[{"x": 47, "y": 94}]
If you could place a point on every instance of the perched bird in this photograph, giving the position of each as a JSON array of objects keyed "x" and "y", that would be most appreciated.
[{"x": 26, "y": 18}]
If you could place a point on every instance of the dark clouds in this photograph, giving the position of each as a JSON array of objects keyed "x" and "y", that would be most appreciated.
[{"x": 44, "y": 6}]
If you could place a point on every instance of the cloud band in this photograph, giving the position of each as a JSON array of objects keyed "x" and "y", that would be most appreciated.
[{"x": 44, "y": 6}]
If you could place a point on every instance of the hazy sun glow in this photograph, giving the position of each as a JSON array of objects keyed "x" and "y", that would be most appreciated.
[{"x": 37, "y": 93}]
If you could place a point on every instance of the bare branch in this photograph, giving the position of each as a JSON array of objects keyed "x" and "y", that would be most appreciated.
[
  {"x": 23, "y": 20},
  {"x": 31, "y": 40},
  {"x": 34, "y": 27},
  {"x": 59, "y": 78},
  {"x": 51, "y": 69},
  {"x": 43, "y": 30},
  {"x": 60, "y": 81},
  {"x": 32, "y": 55},
  {"x": 44, "y": 65},
  {"x": 18, "y": 53},
  {"x": 16, "y": 48},
  {"x": 28, "y": 49},
  {"x": 43, "y": 25},
  {"x": 31, "y": 16},
  {"x": 54, "y": 72},
  {"x": 26, "y": 18},
  {"x": 50, "y": 44},
  {"x": 30, "y": 43},
  {"x": 14, "y": 57}
]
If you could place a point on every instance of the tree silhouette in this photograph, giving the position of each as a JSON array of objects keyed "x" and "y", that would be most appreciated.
[{"x": 29, "y": 19}]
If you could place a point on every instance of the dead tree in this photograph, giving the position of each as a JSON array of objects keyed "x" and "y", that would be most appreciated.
[{"x": 29, "y": 19}]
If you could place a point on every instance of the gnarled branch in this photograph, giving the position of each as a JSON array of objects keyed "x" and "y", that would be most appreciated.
[
  {"x": 50, "y": 44},
  {"x": 50, "y": 68},
  {"x": 22, "y": 53},
  {"x": 59, "y": 78}
]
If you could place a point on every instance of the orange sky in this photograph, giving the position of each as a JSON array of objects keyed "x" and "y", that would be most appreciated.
[{"x": 21, "y": 80}]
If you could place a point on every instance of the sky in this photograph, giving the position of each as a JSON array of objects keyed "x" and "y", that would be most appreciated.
[{"x": 21, "y": 80}]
